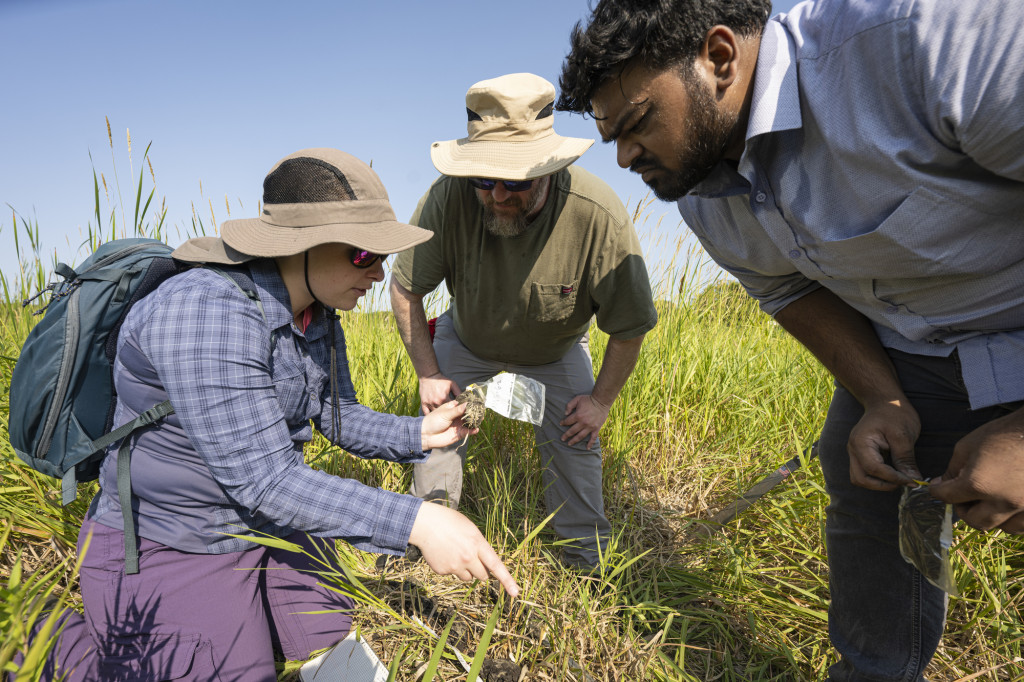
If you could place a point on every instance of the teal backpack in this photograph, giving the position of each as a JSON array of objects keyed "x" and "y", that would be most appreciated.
[{"x": 62, "y": 396}]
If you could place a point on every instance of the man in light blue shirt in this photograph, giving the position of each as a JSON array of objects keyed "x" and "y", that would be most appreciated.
[{"x": 859, "y": 167}]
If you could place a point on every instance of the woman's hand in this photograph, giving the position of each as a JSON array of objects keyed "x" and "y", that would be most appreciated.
[
  {"x": 453, "y": 545},
  {"x": 443, "y": 426}
]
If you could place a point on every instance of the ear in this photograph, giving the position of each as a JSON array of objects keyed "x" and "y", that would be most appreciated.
[{"x": 720, "y": 57}]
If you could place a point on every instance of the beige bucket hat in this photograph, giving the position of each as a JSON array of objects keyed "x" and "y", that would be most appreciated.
[
  {"x": 311, "y": 197},
  {"x": 511, "y": 133}
]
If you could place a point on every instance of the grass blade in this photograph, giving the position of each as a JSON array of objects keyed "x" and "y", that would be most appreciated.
[
  {"x": 435, "y": 656},
  {"x": 485, "y": 642}
]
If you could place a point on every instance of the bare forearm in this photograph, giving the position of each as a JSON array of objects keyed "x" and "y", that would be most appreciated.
[
  {"x": 619, "y": 360},
  {"x": 844, "y": 341},
  {"x": 881, "y": 444},
  {"x": 412, "y": 327}
]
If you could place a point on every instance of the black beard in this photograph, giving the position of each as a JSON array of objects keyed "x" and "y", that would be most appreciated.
[{"x": 710, "y": 131}]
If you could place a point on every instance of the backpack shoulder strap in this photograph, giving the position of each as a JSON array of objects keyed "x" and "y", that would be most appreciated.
[
  {"x": 153, "y": 414},
  {"x": 243, "y": 282}
]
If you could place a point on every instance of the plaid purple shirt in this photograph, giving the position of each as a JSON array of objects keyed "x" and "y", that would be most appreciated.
[{"x": 230, "y": 460}]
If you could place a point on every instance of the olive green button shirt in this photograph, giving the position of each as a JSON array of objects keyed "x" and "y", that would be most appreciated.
[{"x": 526, "y": 300}]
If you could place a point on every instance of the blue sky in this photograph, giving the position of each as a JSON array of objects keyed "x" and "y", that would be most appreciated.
[{"x": 224, "y": 88}]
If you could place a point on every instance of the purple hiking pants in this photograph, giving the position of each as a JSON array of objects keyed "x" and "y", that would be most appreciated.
[{"x": 196, "y": 617}]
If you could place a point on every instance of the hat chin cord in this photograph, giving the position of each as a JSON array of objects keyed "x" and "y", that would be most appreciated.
[
  {"x": 305, "y": 275},
  {"x": 331, "y": 313}
]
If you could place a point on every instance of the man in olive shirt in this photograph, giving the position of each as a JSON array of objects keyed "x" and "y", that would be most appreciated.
[{"x": 531, "y": 250}]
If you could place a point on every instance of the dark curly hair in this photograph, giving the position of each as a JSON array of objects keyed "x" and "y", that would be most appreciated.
[{"x": 662, "y": 33}]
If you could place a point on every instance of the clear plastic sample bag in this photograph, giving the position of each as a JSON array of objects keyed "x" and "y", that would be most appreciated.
[
  {"x": 926, "y": 533},
  {"x": 514, "y": 396}
]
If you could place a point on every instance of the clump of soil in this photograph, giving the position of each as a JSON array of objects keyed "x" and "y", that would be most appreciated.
[
  {"x": 500, "y": 670},
  {"x": 475, "y": 409}
]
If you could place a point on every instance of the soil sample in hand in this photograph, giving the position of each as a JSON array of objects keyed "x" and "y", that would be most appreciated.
[{"x": 475, "y": 409}]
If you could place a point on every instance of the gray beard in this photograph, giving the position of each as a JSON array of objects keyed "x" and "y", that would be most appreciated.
[{"x": 512, "y": 226}]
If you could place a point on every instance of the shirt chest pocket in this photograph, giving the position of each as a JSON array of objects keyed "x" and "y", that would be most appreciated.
[
  {"x": 552, "y": 302},
  {"x": 293, "y": 394},
  {"x": 926, "y": 236}
]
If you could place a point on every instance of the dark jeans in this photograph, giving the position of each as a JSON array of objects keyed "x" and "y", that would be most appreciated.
[
  {"x": 196, "y": 617},
  {"x": 885, "y": 619}
]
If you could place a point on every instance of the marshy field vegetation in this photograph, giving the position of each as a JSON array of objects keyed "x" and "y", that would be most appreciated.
[{"x": 720, "y": 398}]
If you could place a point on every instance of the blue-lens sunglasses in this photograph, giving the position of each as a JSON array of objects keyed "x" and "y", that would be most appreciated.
[{"x": 511, "y": 185}]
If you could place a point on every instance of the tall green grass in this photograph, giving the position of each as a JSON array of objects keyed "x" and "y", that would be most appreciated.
[{"x": 720, "y": 397}]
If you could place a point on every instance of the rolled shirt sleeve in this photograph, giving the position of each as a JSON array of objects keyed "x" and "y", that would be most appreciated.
[{"x": 756, "y": 263}]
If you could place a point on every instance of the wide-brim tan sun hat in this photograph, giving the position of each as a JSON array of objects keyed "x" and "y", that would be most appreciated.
[
  {"x": 311, "y": 197},
  {"x": 511, "y": 133}
]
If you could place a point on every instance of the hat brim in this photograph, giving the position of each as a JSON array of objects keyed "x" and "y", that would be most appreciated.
[
  {"x": 209, "y": 250},
  {"x": 255, "y": 237},
  {"x": 246, "y": 239},
  {"x": 507, "y": 160}
]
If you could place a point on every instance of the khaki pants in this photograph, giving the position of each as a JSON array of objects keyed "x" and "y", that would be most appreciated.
[{"x": 571, "y": 474}]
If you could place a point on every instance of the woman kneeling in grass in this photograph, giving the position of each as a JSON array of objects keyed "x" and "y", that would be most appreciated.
[{"x": 246, "y": 381}]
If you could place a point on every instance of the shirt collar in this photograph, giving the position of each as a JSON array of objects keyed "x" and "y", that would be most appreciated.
[
  {"x": 276, "y": 302},
  {"x": 775, "y": 105}
]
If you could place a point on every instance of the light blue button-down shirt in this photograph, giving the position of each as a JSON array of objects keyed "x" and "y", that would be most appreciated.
[{"x": 884, "y": 160}]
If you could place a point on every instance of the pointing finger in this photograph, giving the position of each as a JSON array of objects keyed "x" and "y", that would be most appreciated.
[{"x": 494, "y": 564}]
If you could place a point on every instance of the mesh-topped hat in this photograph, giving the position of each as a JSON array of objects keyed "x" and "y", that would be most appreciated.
[
  {"x": 311, "y": 197},
  {"x": 511, "y": 133}
]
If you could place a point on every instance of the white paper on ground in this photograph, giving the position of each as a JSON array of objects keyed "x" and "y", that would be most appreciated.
[{"x": 350, "y": 659}]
